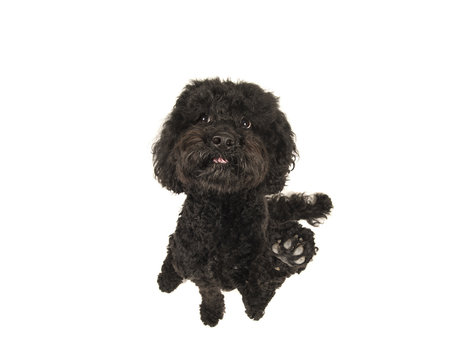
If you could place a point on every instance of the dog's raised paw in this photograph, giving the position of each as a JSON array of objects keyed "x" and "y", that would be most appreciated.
[{"x": 290, "y": 251}]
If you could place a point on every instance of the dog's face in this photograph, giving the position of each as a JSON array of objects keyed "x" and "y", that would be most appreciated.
[{"x": 224, "y": 137}]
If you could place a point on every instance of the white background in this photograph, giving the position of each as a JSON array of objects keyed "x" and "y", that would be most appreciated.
[{"x": 84, "y": 88}]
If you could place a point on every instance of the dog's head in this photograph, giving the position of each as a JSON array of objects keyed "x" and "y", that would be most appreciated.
[{"x": 224, "y": 137}]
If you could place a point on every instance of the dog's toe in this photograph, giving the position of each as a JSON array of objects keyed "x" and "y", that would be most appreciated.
[
  {"x": 296, "y": 250},
  {"x": 210, "y": 315}
]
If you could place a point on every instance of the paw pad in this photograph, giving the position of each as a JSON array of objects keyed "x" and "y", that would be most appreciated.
[
  {"x": 290, "y": 251},
  {"x": 310, "y": 199}
]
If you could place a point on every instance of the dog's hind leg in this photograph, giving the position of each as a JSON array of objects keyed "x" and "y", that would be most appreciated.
[
  {"x": 256, "y": 297},
  {"x": 212, "y": 307},
  {"x": 261, "y": 286},
  {"x": 168, "y": 279},
  {"x": 291, "y": 248},
  {"x": 292, "y": 245}
]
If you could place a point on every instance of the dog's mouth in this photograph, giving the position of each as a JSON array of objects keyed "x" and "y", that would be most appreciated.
[
  {"x": 221, "y": 171},
  {"x": 219, "y": 160}
]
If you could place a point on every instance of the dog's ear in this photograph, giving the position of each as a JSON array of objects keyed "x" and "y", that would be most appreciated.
[
  {"x": 163, "y": 158},
  {"x": 282, "y": 154}
]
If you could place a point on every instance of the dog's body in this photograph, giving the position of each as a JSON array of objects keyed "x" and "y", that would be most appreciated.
[{"x": 228, "y": 147}]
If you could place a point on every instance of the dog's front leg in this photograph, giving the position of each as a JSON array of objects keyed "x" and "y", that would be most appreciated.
[
  {"x": 212, "y": 307},
  {"x": 312, "y": 208},
  {"x": 168, "y": 279}
]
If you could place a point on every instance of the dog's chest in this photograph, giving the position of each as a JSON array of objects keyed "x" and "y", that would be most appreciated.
[
  {"x": 219, "y": 229},
  {"x": 218, "y": 238}
]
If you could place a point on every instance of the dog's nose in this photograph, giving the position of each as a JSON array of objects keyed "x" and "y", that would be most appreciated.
[{"x": 223, "y": 139}]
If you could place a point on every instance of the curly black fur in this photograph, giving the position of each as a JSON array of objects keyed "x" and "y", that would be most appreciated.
[{"x": 229, "y": 148}]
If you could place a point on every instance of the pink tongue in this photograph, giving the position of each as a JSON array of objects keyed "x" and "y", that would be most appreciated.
[{"x": 220, "y": 160}]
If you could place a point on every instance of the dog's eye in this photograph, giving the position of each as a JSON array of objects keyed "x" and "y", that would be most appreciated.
[
  {"x": 246, "y": 123},
  {"x": 205, "y": 118}
]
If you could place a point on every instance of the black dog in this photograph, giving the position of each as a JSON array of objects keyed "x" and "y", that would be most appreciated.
[{"x": 229, "y": 148}]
